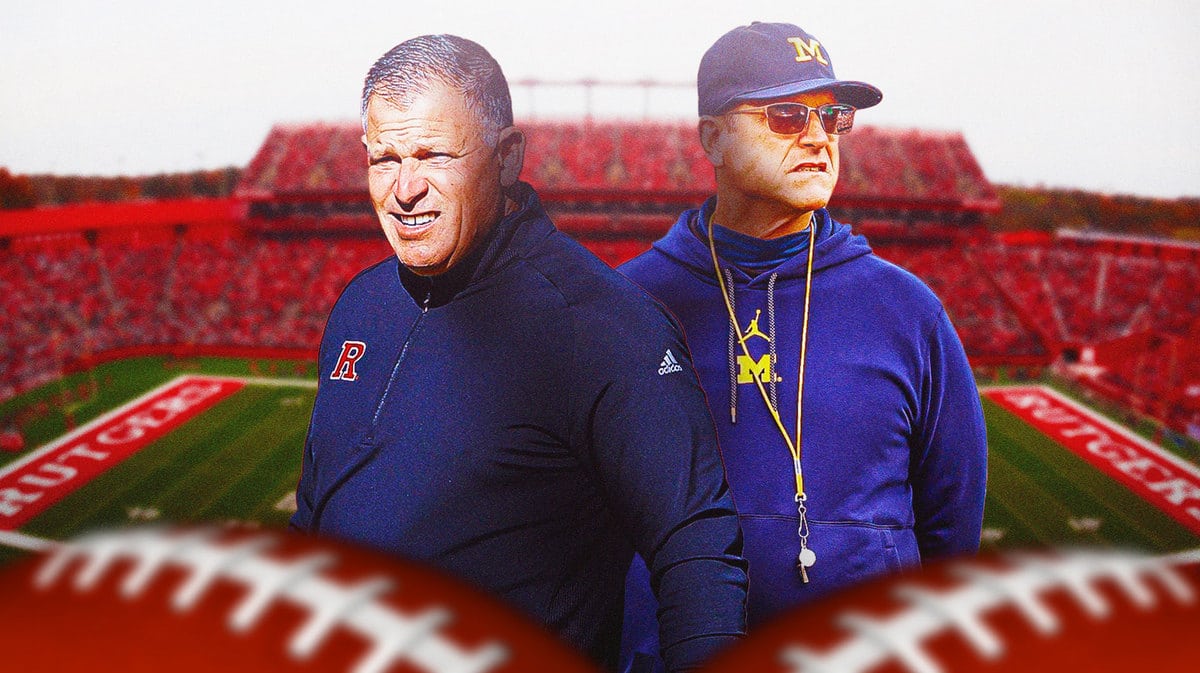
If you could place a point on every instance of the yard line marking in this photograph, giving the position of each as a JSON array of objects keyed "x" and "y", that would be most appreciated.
[
  {"x": 109, "y": 415},
  {"x": 15, "y": 496},
  {"x": 86, "y": 427}
]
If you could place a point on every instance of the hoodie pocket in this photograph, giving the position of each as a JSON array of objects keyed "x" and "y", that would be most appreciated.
[
  {"x": 900, "y": 547},
  {"x": 848, "y": 553}
]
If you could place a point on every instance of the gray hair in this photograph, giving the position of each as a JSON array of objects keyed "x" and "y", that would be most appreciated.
[{"x": 410, "y": 67}]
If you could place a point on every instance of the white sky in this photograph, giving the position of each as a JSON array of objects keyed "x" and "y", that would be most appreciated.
[{"x": 1101, "y": 94}]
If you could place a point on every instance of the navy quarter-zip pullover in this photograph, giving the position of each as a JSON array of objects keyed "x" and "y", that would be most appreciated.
[{"x": 525, "y": 421}]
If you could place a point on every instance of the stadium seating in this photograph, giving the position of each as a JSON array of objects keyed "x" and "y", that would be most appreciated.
[
  {"x": 616, "y": 186},
  {"x": 1083, "y": 296},
  {"x": 64, "y": 303},
  {"x": 987, "y": 324},
  {"x": 64, "y": 298},
  {"x": 52, "y": 303},
  {"x": 651, "y": 158}
]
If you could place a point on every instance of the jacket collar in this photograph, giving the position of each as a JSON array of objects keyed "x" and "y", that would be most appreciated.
[{"x": 508, "y": 241}]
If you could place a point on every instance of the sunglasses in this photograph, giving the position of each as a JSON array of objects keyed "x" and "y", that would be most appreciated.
[{"x": 792, "y": 118}]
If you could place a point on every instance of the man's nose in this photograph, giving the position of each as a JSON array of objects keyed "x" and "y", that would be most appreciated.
[
  {"x": 814, "y": 132},
  {"x": 410, "y": 186}
]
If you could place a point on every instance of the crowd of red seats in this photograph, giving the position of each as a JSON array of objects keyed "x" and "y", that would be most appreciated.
[
  {"x": 63, "y": 300},
  {"x": 1081, "y": 296},
  {"x": 1156, "y": 373},
  {"x": 986, "y": 321},
  {"x": 62, "y": 304},
  {"x": 649, "y": 156},
  {"x": 274, "y": 292},
  {"x": 633, "y": 157},
  {"x": 307, "y": 158}
]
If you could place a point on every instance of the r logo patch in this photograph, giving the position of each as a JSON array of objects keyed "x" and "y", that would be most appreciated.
[{"x": 352, "y": 352}]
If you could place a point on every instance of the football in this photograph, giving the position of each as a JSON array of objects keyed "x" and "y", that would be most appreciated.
[
  {"x": 1079, "y": 610},
  {"x": 215, "y": 599}
]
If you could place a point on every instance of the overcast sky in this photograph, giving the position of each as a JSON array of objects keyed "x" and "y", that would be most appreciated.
[{"x": 1101, "y": 94}]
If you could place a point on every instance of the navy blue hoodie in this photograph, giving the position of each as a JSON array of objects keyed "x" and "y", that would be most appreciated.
[
  {"x": 525, "y": 421},
  {"x": 894, "y": 445}
]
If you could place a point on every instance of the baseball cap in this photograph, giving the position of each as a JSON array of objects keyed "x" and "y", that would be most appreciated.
[{"x": 771, "y": 60}]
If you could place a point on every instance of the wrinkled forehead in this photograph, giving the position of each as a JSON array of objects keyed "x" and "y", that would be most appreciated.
[{"x": 439, "y": 112}]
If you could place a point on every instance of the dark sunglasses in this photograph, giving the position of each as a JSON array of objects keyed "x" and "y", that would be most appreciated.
[{"x": 792, "y": 118}]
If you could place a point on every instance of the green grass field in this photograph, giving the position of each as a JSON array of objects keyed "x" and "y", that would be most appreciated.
[
  {"x": 240, "y": 460},
  {"x": 236, "y": 462},
  {"x": 1040, "y": 494}
]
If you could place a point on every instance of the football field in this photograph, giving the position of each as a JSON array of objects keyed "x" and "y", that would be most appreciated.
[
  {"x": 225, "y": 446},
  {"x": 1041, "y": 494},
  {"x": 236, "y": 462}
]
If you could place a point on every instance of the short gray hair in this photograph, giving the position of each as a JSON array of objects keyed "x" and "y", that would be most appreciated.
[{"x": 409, "y": 68}]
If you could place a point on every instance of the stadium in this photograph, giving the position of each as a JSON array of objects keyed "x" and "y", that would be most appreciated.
[
  {"x": 183, "y": 199},
  {"x": 112, "y": 305}
]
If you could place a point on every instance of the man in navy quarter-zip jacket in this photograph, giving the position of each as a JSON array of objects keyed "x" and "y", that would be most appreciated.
[
  {"x": 496, "y": 401},
  {"x": 792, "y": 321}
]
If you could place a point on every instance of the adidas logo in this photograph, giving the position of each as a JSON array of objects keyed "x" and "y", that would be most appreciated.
[{"x": 669, "y": 364}]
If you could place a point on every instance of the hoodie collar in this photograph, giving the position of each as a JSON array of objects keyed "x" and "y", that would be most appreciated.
[
  {"x": 756, "y": 255},
  {"x": 505, "y": 243},
  {"x": 836, "y": 243}
]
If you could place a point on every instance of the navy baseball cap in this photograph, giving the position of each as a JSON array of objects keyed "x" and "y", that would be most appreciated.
[{"x": 763, "y": 61}]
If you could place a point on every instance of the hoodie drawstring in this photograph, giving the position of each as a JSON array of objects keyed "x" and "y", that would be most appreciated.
[
  {"x": 733, "y": 340},
  {"x": 771, "y": 340},
  {"x": 733, "y": 384}
]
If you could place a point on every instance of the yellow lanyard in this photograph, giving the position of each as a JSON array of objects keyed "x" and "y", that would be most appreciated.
[{"x": 806, "y": 558}]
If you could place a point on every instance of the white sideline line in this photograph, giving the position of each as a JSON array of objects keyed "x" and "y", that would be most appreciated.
[
  {"x": 99, "y": 420},
  {"x": 1130, "y": 435},
  {"x": 108, "y": 415},
  {"x": 26, "y": 542},
  {"x": 267, "y": 381},
  {"x": 1109, "y": 424}
]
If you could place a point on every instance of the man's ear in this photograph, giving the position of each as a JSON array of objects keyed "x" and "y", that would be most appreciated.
[
  {"x": 712, "y": 139},
  {"x": 511, "y": 150}
]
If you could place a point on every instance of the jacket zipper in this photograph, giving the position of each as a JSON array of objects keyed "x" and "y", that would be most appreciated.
[
  {"x": 319, "y": 507},
  {"x": 399, "y": 359}
]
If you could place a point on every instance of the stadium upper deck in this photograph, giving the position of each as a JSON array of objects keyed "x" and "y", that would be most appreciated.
[{"x": 656, "y": 161}]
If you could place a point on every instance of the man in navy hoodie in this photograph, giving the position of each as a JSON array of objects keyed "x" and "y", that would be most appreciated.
[
  {"x": 847, "y": 415},
  {"x": 498, "y": 402}
]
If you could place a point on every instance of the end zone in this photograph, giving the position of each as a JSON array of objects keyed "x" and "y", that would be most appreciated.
[
  {"x": 47, "y": 475},
  {"x": 1158, "y": 477}
]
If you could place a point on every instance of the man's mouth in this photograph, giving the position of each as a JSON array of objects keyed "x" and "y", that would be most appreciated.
[
  {"x": 810, "y": 167},
  {"x": 416, "y": 219}
]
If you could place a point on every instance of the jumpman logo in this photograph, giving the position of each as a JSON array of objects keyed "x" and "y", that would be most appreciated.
[{"x": 752, "y": 329}]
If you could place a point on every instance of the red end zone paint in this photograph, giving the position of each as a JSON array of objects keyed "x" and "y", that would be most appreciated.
[
  {"x": 33, "y": 484},
  {"x": 1159, "y": 478}
]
